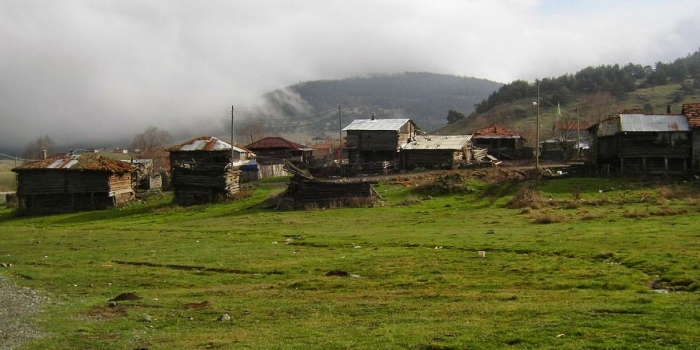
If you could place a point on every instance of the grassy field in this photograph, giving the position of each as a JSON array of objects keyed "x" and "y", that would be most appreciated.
[
  {"x": 7, "y": 177},
  {"x": 569, "y": 264}
]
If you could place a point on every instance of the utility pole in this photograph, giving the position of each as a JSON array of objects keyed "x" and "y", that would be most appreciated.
[
  {"x": 232, "y": 135},
  {"x": 340, "y": 135},
  {"x": 537, "y": 145},
  {"x": 578, "y": 136}
]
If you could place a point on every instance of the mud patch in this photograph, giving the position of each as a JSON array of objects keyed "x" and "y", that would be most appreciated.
[{"x": 126, "y": 296}]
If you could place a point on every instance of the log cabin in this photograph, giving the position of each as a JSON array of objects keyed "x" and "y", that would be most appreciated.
[
  {"x": 205, "y": 170},
  {"x": 73, "y": 182}
]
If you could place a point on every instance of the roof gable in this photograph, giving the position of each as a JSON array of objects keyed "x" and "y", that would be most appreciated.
[
  {"x": 205, "y": 143},
  {"x": 275, "y": 142}
]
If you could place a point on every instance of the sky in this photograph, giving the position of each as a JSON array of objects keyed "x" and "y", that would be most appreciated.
[{"x": 93, "y": 71}]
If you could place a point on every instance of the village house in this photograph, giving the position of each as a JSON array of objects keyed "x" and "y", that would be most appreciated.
[
  {"x": 643, "y": 143},
  {"x": 206, "y": 169},
  {"x": 373, "y": 141},
  {"x": 73, "y": 182},
  {"x": 571, "y": 141},
  {"x": 275, "y": 150},
  {"x": 500, "y": 142},
  {"x": 435, "y": 151}
]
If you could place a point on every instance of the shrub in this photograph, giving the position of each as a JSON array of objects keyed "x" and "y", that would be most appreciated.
[
  {"x": 525, "y": 197},
  {"x": 636, "y": 213}
]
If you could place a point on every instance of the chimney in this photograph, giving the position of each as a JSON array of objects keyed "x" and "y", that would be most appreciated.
[
  {"x": 44, "y": 154},
  {"x": 668, "y": 109},
  {"x": 373, "y": 116}
]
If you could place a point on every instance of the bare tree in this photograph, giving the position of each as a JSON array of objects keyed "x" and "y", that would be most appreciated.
[
  {"x": 252, "y": 131},
  {"x": 152, "y": 143},
  {"x": 598, "y": 106},
  {"x": 35, "y": 149}
]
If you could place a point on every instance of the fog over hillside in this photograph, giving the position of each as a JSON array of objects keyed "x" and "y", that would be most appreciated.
[{"x": 98, "y": 72}]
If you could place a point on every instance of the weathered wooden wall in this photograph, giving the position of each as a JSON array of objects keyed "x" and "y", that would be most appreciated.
[
  {"x": 305, "y": 192},
  {"x": 433, "y": 158},
  {"x": 53, "y": 190},
  {"x": 204, "y": 184}
]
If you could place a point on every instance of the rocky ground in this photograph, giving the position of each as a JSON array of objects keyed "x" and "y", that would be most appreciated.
[{"x": 18, "y": 305}]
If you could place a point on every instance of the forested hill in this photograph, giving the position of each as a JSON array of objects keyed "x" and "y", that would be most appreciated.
[
  {"x": 616, "y": 80},
  {"x": 586, "y": 95},
  {"x": 425, "y": 98}
]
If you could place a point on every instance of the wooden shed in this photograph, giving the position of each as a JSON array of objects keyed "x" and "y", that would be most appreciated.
[
  {"x": 305, "y": 191},
  {"x": 72, "y": 182},
  {"x": 377, "y": 140},
  {"x": 436, "y": 151},
  {"x": 202, "y": 170},
  {"x": 500, "y": 142},
  {"x": 643, "y": 143}
]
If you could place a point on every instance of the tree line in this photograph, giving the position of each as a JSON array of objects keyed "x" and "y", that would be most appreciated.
[{"x": 613, "y": 79}]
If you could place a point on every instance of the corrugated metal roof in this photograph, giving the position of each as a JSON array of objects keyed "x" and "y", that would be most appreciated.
[
  {"x": 205, "y": 143},
  {"x": 453, "y": 142},
  {"x": 642, "y": 123},
  {"x": 87, "y": 161},
  {"x": 653, "y": 123},
  {"x": 377, "y": 124}
]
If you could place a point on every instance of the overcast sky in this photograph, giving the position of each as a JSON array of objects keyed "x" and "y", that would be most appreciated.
[{"x": 92, "y": 69}]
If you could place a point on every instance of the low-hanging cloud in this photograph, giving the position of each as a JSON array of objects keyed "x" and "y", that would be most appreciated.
[{"x": 96, "y": 71}]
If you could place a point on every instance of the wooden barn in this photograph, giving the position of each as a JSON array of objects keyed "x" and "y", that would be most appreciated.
[
  {"x": 372, "y": 141},
  {"x": 305, "y": 191},
  {"x": 643, "y": 144},
  {"x": 435, "y": 151},
  {"x": 275, "y": 150},
  {"x": 500, "y": 142},
  {"x": 65, "y": 183},
  {"x": 202, "y": 170}
]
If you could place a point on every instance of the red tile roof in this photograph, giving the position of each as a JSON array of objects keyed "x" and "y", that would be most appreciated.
[
  {"x": 692, "y": 112},
  {"x": 571, "y": 125},
  {"x": 274, "y": 142}
]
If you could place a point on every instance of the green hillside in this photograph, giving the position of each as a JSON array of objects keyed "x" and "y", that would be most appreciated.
[
  {"x": 588, "y": 95},
  {"x": 424, "y": 97}
]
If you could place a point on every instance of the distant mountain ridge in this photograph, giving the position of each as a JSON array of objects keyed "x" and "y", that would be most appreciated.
[{"x": 423, "y": 97}]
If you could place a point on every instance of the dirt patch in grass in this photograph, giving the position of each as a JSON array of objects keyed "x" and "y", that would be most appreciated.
[
  {"x": 339, "y": 273},
  {"x": 198, "y": 306},
  {"x": 107, "y": 312},
  {"x": 126, "y": 296}
]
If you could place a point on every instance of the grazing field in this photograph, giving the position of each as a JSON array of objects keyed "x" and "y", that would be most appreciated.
[
  {"x": 567, "y": 264},
  {"x": 7, "y": 177}
]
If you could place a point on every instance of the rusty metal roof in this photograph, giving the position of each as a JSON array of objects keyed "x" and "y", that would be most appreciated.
[
  {"x": 276, "y": 142},
  {"x": 434, "y": 142},
  {"x": 495, "y": 131},
  {"x": 206, "y": 143},
  {"x": 377, "y": 124},
  {"x": 643, "y": 123},
  {"x": 82, "y": 162}
]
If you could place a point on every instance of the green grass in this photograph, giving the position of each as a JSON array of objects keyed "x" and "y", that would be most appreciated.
[
  {"x": 583, "y": 282},
  {"x": 7, "y": 177}
]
